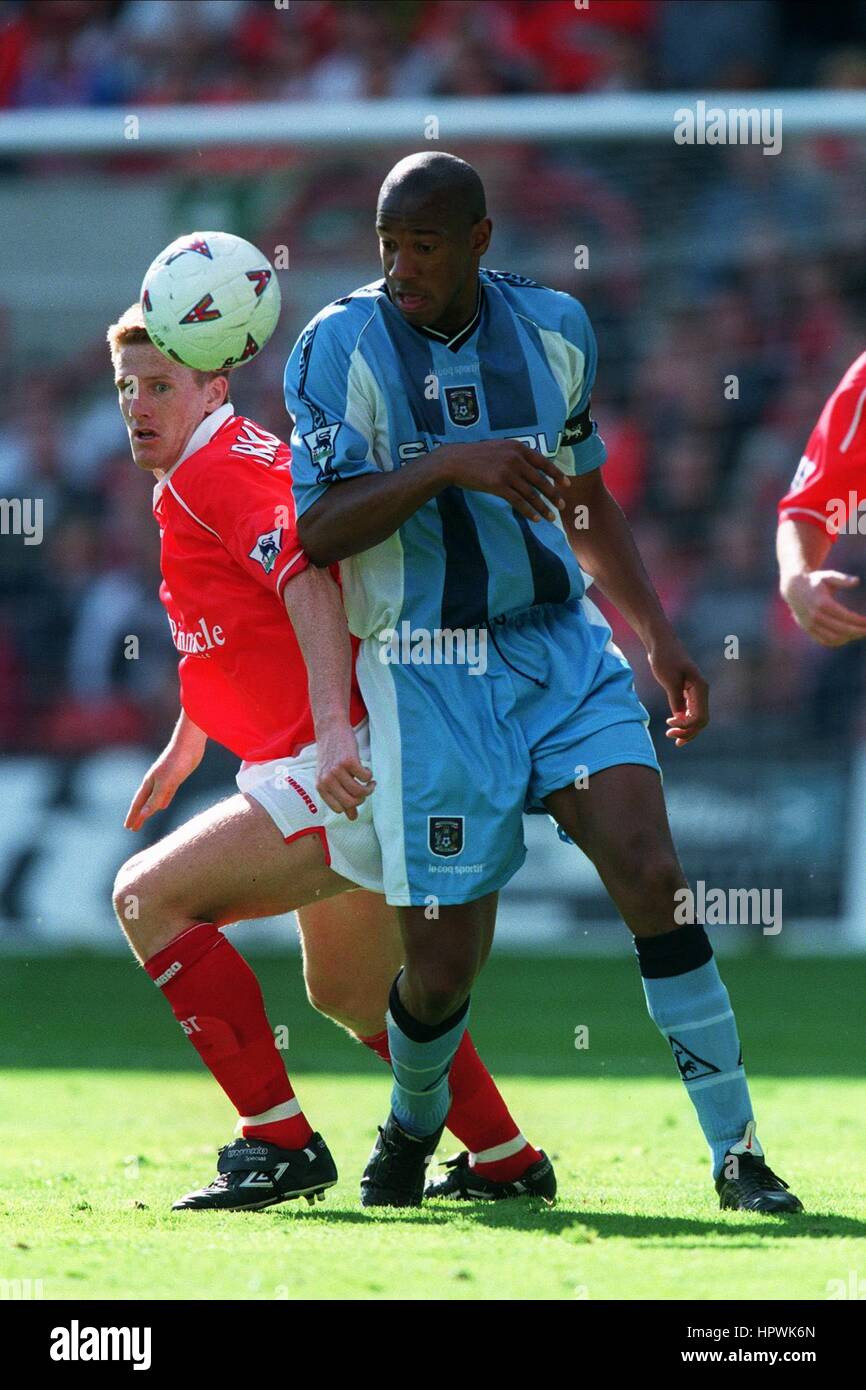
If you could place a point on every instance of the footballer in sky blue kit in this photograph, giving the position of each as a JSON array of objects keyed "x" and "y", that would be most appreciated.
[
  {"x": 445, "y": 453},
  {"x": 449, "y": 818}
]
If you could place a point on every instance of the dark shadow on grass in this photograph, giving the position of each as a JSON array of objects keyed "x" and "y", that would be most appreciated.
[
  {"x": 383, "y": 1216},
  {"x": 534, "y": 1216},
  {"x": 585, "y": 1227}
]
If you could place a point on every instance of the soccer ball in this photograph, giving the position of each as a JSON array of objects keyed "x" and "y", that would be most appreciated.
[{"x": 210, "y": 300}]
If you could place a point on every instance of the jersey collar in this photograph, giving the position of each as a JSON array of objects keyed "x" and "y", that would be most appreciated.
[
  {"x": 454, "y": 341},
  {"x": 200, "y": 436}
]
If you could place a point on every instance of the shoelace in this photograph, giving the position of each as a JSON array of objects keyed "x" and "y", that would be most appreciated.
[
  {"x": 388, "y": 1144},
  {"x": 392, "y": 1151},
  {"x": 761, "y": 1178}
]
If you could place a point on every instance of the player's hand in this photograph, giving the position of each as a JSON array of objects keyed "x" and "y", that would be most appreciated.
[
  {"x": 342, "y": 780},
  {"x": 160, "y": 783},
  {"x": 530, "y": 482},
  {"x": 811, "y": 599},
  {"x": 687, "y": 691}
]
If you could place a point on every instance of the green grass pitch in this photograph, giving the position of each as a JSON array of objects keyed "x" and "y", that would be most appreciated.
[{"x": 106, "y": 1115}]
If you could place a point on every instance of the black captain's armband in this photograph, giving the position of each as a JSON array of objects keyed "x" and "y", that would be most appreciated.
[{"x": 578, "y": 428}]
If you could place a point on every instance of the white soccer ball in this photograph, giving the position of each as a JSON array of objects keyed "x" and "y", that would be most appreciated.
[{"x": 210, "y": 300}]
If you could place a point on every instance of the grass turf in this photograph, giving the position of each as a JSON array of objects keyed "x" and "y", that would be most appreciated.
[{"x": 107, "y": 1116}]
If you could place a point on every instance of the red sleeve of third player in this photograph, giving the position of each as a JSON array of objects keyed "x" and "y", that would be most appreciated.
[
  {"x": 830, "y": 480},
  {"x": 250, "y": 506}
]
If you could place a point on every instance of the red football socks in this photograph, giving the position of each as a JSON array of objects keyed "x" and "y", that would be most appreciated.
[
  {"x": 478, "y": 1117},
  {"x": 216, "y": 999}
]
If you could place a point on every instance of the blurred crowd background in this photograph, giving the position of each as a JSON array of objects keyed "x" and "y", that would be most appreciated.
[
  {"x": 103, "y": 52},
  {"x": 703, "y": 266}
]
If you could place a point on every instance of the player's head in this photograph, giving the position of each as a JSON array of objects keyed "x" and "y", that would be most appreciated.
[
  {"x": 162, "y": 402},
  {"x": 433, "y": 229}
]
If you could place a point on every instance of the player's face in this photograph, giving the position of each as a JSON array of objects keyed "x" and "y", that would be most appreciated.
[
  {"x": 162, "y": 403},
  {"x": 430, "y": 264}
]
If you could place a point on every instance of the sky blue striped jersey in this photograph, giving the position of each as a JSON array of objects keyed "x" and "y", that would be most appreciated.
[{"x": 369, "y": 392}]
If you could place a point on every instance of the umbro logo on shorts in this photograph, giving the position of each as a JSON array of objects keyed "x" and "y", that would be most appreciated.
[
  {"x": 445, "y": 835},
  {"x": 302, "y": 793}
]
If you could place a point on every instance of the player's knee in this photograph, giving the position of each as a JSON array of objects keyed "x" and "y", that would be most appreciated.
[
  {"x": 145, "y": 923},
  {"x": 125, "y": 896},
  {"x": 438, "y": 993},
  {"x": 653, "y": 878}
]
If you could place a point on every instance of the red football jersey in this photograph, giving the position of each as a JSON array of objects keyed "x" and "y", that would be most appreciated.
[
  {"x": 229, "y": 547},
  {"x": 830, "y": 481}
]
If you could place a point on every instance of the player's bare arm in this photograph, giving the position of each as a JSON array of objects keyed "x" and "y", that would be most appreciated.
[
  {"x": 809, "y": 589},
  {"x": 315, "y": 608},
  {"x": 605, "y": 548},
  {"x": 177, "y": 761},
  {"x": 364, "y": 511}
]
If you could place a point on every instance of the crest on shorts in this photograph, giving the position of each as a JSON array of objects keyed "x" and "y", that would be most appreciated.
[
  {"x": 267, "y": 548},
  {"x": 462, "y": 402},
  {"x": 445, "y": 835}
]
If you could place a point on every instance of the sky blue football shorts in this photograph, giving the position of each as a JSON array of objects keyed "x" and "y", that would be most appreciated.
[{"x": 461, "y": 748}]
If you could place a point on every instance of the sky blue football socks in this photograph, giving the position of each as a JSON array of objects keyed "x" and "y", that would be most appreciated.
[
  {"x": 421, "y": 1057},
  {"x": 689, "y": 1004}
]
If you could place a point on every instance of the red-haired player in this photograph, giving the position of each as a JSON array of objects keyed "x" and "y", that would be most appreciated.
[{"x": 247, "y": 612}]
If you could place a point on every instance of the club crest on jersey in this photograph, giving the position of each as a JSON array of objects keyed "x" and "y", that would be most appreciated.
[
  {"x": 462, "y": 403},
  {"x": 322, "y": 444},
  {"x": 267, "y": 548},
  {"x": 445, "y": 835}
]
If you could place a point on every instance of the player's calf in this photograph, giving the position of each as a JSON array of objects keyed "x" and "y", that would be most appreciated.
[{"x": 352, "y": 951}]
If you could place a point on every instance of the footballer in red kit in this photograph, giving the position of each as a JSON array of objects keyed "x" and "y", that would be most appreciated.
[
  {"x": 823, "y": 502},
  {"x": 266, "y": 669},
  {"x": 232, "y": 485}
]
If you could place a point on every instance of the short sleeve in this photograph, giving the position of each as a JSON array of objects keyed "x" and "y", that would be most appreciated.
[
  {"x": 582, "y": 448},
  {"x": 263, "y": 538},
  {"x": 830, "y": 481},
  {"x": 249, "y": 507},
  {"x": 333, "y": 420}
]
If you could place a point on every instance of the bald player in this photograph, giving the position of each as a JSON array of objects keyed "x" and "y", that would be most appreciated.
[{"x": 445, "y": 453}]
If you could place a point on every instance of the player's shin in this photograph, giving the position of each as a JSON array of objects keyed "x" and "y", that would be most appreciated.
[
  {"x": 690, "y": 1005},
  {"x": 216, "y": 999},
  {"x": 478, "y": 1116},
  {"x": 421, "y": 1056}
]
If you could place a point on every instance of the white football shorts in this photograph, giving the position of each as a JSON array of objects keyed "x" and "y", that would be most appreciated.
[{"x": 286, "y": 788}]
